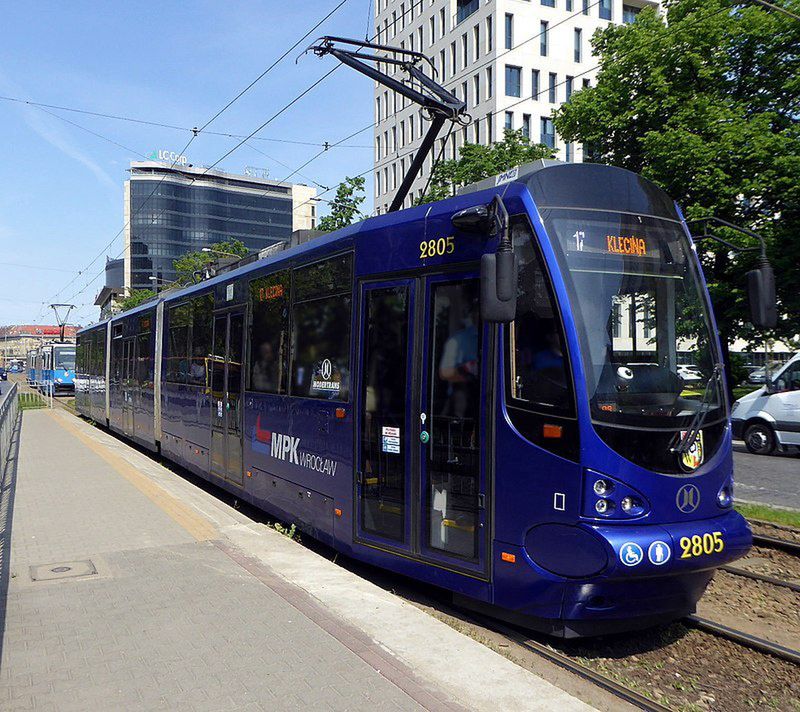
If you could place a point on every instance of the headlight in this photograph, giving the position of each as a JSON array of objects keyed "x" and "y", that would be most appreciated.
[
  {"x": 58, "y": 380},
  {"x": 725, "y": 495},
  {"x": 602, "y": 487},
  {"x": 603, "y": 506},
  {"x": 627, "y": 504}
]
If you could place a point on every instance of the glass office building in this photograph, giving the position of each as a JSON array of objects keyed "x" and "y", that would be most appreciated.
[{"x": 170, "y": 211}]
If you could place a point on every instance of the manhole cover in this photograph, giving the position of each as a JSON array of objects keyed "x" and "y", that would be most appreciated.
[{"x": 69, "y": 569}]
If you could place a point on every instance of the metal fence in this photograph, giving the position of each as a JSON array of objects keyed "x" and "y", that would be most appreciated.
[{"x": 9, "y": 414}]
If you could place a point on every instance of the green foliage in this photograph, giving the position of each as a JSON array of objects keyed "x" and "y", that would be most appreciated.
[
  {"x": 738, "y": 369},
  {"x": 345, "y": 207},
  {"x": 706, "y": 105},
  {"x": 477, "y": 162},
  {"x": 765, "y": 513},
  {"x": 135, "y": 298},
  {"x": 290, "y": 532},
  {"x": 187, "y": 265}
]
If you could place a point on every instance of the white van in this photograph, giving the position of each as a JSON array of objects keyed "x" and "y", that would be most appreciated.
[{"x": 769, "y": 418}]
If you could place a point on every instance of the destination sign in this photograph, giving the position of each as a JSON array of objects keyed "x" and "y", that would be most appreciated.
[
  {"x": 273, "y": 291},
  {"x": 621, "y": 245}
]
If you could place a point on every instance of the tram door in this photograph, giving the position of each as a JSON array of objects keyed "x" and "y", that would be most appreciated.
[
  {"x": 226, "y": 397},
  {"x": 420, "y": 481},
  {"x": 128, "y": 383}
]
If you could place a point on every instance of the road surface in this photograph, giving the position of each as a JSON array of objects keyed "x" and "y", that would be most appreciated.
[{"x": 766, "y": 479}]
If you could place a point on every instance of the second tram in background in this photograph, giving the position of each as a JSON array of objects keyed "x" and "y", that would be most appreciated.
[{"x": 51, "y": 367}]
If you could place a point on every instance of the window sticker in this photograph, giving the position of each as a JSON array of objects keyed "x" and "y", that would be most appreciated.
[{"x": 390, "y": 439}]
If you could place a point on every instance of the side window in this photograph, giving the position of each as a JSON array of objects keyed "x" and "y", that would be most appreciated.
[
  {"x": 321, "y": 315},
  {"x": 202, "y": 308},
  {"x": 539, "y": 369},
  {"x": 269, "y": 334},
  {"x": 789, "y": 380},
  {"x": 180, "y": 320}
]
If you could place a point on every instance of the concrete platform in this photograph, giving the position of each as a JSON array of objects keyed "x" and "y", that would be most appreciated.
[{"x": 130, "y": 588}]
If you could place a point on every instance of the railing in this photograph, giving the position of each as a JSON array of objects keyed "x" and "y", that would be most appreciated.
[
  {"x": 9, "y": 413},
  {"x": 38, "y": 394}
]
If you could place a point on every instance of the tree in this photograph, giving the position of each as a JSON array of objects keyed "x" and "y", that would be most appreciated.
[
  {"x": 345, "y": 206},
  {"x": 187, "y": 265},
  {"x": 705, "y": 103},
  {"x": 135, "y": 298},
  {"x": 477, "y": 162}
]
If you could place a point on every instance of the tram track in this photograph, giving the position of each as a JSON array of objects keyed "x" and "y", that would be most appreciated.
[
  {"x": 774, "y": 542},
  {"x": 763, "y": 578},
  {"x": 571, "y": 665},
  {"x": 740, "y": 637}
]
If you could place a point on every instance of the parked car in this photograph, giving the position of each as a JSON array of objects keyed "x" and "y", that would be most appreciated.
[
  {"x": 690, "y": 374},
  {"x": 758, "y": 375},
  {"x": 769, "y": 418},
  {"x": 3, "y": 374}
]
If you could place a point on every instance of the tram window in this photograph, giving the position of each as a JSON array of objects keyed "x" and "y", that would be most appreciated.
[
  {"x": 269, "y": 333},
  {"x": 454, "y": 452},
  {"x": 202, "y": 308},
  {"x": 539, "y": 371},
  {"x": 79, "y": 351},
  {"x": 180, "y": 319},
  {"x": 321, "y": 316},
  {"x": 143, "y": 360}
]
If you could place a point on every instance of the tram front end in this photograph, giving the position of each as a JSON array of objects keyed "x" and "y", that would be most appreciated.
[{"x": 613, "y": 460}]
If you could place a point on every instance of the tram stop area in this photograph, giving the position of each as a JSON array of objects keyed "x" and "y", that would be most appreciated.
[{"x": 126, "y": 586}]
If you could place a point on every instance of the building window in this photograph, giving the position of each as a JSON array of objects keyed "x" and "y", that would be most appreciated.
[
  {"x": 443, "y": 64},
  {"x": 476, "y": 33},
  {"x": 578, "y": 39},
  {"x": 585, "y": 7},
  {"x": 629, "y": 13},
  {"x": 443, "y": 26},
  {"x": 513, "y": 80},
  {"x": 509, "y": 31},
  {"x": 543, "y": 32},
  {"x": 526, "y": 125},
  {"x": 464, "y": 8},
  {"x": 570, "y": 152},
  {"x": 569, "y": 83},
  {"x": 509, "y": 125},
  {"x": 587, "y": 83},
  {"x": 464, "y": 51},
  {"x": 377, "y": 148},
  {"x": 548, "y": 3},
  {"x": 433, "y": 29},
  {"x": 551, "y": 88},
  {"x": 548, "y": 136},
  {"x": 477, "y": 131},
  {"x": 476, "y": 89},
  {"x": 489, "y": 83},
  {"x": 453, "y": 58},
  {"x": 605, "y": 9},
  {"x": 569, "y": 6},
  {"x": 489, "y": 128},
  {"x": 535, "y": 84}
]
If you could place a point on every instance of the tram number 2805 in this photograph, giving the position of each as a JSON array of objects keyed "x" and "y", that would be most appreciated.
[
  {"x": 437, "y": 248},
  {"x": 701, "y": 545}
]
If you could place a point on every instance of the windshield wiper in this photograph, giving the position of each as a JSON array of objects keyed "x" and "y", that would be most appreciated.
[{"x": 702, "y": 412}]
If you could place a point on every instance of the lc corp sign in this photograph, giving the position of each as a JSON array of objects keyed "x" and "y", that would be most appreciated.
[{"x": 163, "y": 154}]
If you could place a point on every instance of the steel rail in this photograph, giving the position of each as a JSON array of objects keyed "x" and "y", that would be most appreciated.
[
  {"x": 564, "y": 661},
  {"x": 739, "y": 636},
  {"x": 773, "y": 542},
  {"x": 761, "y": 577}
]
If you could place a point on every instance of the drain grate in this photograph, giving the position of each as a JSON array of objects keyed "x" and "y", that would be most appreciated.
[{"x": 68, "y": 569}]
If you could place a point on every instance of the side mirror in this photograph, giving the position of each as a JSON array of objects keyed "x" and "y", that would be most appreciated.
[
  {"x": 761, "y": 297},
  {"x": 473, "y": 220},
  {"x": 499, "y": 287},
  {"x": 499, "y": 271}
]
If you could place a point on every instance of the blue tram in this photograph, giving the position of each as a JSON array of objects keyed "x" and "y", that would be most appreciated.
[
  {"x": 51, "y": 367},
  {"x": 553, "y": 468}
]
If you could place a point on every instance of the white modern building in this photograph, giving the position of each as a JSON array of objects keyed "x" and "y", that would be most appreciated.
[{"x": 512, "y": 61}]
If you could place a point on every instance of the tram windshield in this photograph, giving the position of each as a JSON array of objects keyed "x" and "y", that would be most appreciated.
[
  {"x": 65, "y": 358},
  {"x": 643, "y": 324}
]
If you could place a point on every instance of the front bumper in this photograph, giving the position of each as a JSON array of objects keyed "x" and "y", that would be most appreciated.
[{"x": 737, "y": 428}]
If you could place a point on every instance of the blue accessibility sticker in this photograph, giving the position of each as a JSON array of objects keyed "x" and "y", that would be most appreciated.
[
  {"x": 659, "y": 553},
  {"x": 631, "y": 554}
]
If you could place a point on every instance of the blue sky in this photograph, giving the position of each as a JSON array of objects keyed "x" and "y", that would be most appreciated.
[{"x": 170, "y": 62}]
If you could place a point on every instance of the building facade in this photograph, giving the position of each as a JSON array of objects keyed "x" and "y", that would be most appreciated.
[
  {"x": 512, "y": 61},
  {"x": 17, "y": 340},
  {"x": 170, "y": 211}
]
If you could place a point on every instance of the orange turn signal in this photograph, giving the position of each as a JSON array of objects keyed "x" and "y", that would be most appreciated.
[
  {"x": 340, "y": 412},
  {"x": 552, "y": 431},
  {"x": 337, "y": 512},
  {"x": 249, "y": 473},
  {"x": 511, "y": 558}
]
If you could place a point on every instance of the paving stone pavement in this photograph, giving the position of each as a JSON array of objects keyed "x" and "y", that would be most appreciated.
[{"x": 167, "y": 622}]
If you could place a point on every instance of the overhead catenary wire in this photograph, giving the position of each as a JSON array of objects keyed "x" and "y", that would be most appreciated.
[{"x": 228, "y": 153}]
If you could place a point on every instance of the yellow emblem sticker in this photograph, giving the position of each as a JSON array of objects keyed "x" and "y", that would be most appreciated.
[{"x": 693, "y": 457}]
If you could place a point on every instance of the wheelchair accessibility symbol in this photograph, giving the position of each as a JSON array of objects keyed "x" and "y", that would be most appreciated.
[{"x": 631, "y": 554}]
